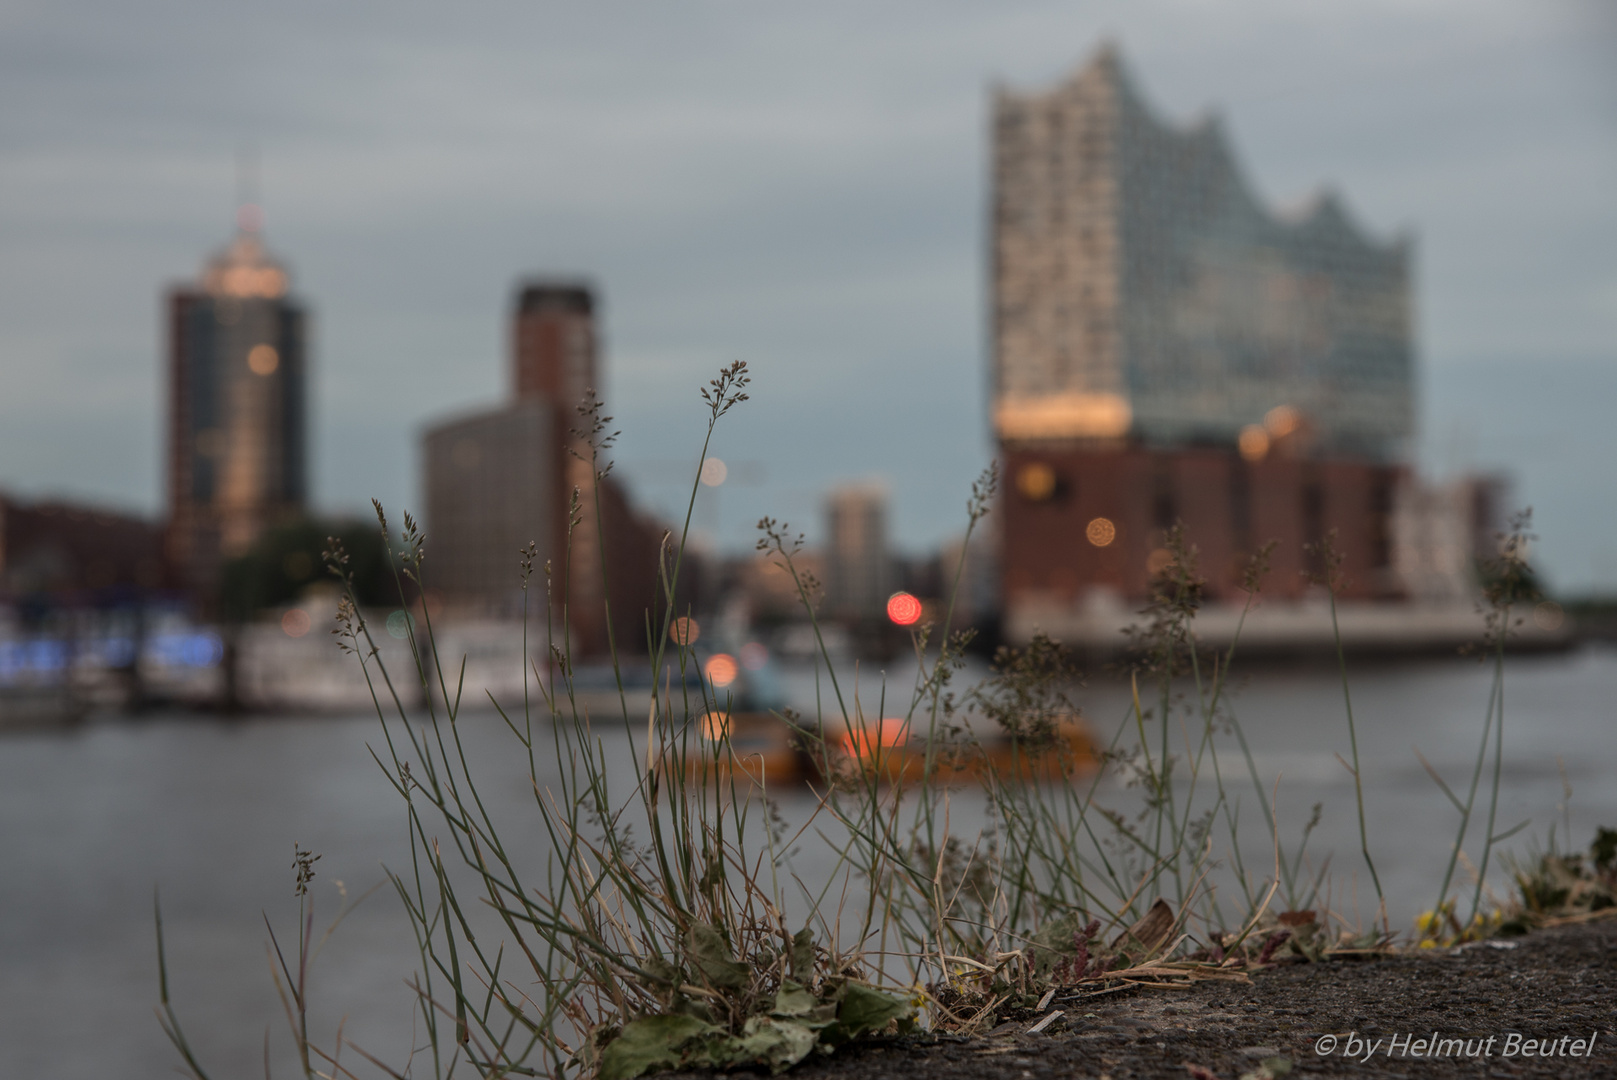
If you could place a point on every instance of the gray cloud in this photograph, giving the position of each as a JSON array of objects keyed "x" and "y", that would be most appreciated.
[{"x": 800, "y": 186}]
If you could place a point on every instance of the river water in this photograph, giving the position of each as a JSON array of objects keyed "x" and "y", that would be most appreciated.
[{"x": 95, "y": 819}]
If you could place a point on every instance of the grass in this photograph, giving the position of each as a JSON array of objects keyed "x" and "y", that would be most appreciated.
[
  {"x": 646, "y": 913},
  {"x": 1510, "y": 585}
]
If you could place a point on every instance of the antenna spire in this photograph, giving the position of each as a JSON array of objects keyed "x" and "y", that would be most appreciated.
[{"x": 249, "y": 215}]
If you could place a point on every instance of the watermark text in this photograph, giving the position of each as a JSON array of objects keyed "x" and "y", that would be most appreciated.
[{"x": 1513, "y": 1044}]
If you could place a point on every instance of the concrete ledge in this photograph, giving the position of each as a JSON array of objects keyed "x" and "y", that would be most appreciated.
[{"x": 1282, "y": 627}]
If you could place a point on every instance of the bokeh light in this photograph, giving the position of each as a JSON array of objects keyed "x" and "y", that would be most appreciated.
[
  {"x": 1036, "y": 481},
  {"x": 1282, "y": 421},
  {"x": 903, "y": 609},
  {"x": 861, "y": 742},
  {"x": 1101, "y": 532},
  {"x": 685, "y": 630},
  {"x": 754, "y": 656},
  {"x": 400, "y": 623},
  {"x": 1549, "y": 615},
  {"x": 263, "y": 360},
  {"x": 1253, "y": 442},
  {"x": 296, "y": 623},
  {"x": 721, "y": 669},
  {"x": 713, "y": 472},
  {"x": 715, "y": 726},
  {"x": 187, "y": 649}
]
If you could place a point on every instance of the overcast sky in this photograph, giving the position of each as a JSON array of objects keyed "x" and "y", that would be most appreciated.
[{"x": 802, "y": 186}]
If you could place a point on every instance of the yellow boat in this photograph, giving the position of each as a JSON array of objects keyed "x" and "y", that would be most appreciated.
[
  {"x": 758, "y": 747},
  {"x": 764, "y": 749},
  {"x": 891, "y": 751}
]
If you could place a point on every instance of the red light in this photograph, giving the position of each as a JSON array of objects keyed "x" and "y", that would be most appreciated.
[
  {"x": 296, "y": 623},
  {"x": 903, "y": 609}
]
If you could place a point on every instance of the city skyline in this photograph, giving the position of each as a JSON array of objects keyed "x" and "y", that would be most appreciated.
[{"x": 744, "y": 202}]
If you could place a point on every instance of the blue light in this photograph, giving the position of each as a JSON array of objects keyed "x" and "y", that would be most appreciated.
[
  {"x": 195, "y": 649},
  {"x": 47, "y": 655},
  {"x": 202, "y": 650},
  {"x": 117, "y": 651}
]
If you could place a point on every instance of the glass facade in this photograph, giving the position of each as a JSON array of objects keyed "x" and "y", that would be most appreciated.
[
  {"x": 1141, "y": 292},
  {"x": 238, "y": 409}
]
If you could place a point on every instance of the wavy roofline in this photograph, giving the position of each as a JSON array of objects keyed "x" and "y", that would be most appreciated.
[{"x": 1322, "y": 208}]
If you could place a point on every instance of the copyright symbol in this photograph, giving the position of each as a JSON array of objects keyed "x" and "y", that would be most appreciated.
[{"x": 1325, "y": 1045}]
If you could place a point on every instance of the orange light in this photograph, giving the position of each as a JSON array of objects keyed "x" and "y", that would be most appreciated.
[
  {"x": 715, "y": 726},
  {"x": 263, "y": 360},
  {"x": 890, "y": 731},
  {"x": 721, "y": 669},
  {"x": 1253, "y": 443},
  {"x": 685, "y": 631},
  {"x": 903, "y": 609},
  {"x": 1282, "y": 421},
  {"x": 1158, "y": 561},
  {"x": 248, "y": 281},
  {"x": 296, "y": 623},
  {"x": 1036, "y": 482},
  {"x": 1101, "y": 532}
]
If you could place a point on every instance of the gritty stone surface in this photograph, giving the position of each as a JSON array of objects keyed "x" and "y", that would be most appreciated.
[{"x": 1555, "y": 985}]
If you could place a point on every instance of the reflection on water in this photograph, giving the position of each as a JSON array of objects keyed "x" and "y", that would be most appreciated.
[{"x": 91, "y": 820}]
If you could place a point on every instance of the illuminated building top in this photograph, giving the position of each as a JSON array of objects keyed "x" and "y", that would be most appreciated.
[
  {"x": 1141, "y": 291},
  {"x": 238, "y": 407},
  {"x": 245, "y": 270}
]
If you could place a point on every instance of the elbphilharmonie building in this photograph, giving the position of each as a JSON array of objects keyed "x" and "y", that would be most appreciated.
[
  {"x": 1141, "y": 289},
  {"x": 1168, "y": 350}
]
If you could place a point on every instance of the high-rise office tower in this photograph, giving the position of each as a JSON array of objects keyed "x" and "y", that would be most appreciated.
[
  {"x": 503, "y": 477},
  {"x": 238, "y": 407},
  {"x": 553, "y": 343},
  {"x": 553, "y": 346}
]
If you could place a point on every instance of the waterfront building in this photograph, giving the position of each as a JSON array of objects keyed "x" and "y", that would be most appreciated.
[
  {"x": 237, "y": 455},
  {"x": 1140, "y": 289},
  {"x": 56, "y": 553},
  {"x": 1166, "y": 349},
  {"x": 520, "y": 472}
]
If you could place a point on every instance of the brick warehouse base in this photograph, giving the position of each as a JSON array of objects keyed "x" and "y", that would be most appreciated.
[{"x": 1081, "y": 519}]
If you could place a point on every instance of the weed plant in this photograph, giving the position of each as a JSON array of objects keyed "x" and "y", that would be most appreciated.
[
  {"x": 1060, "y": 889},
  {"x": 665, "y": 924},
  {"x": 1509, "y": 586}
]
